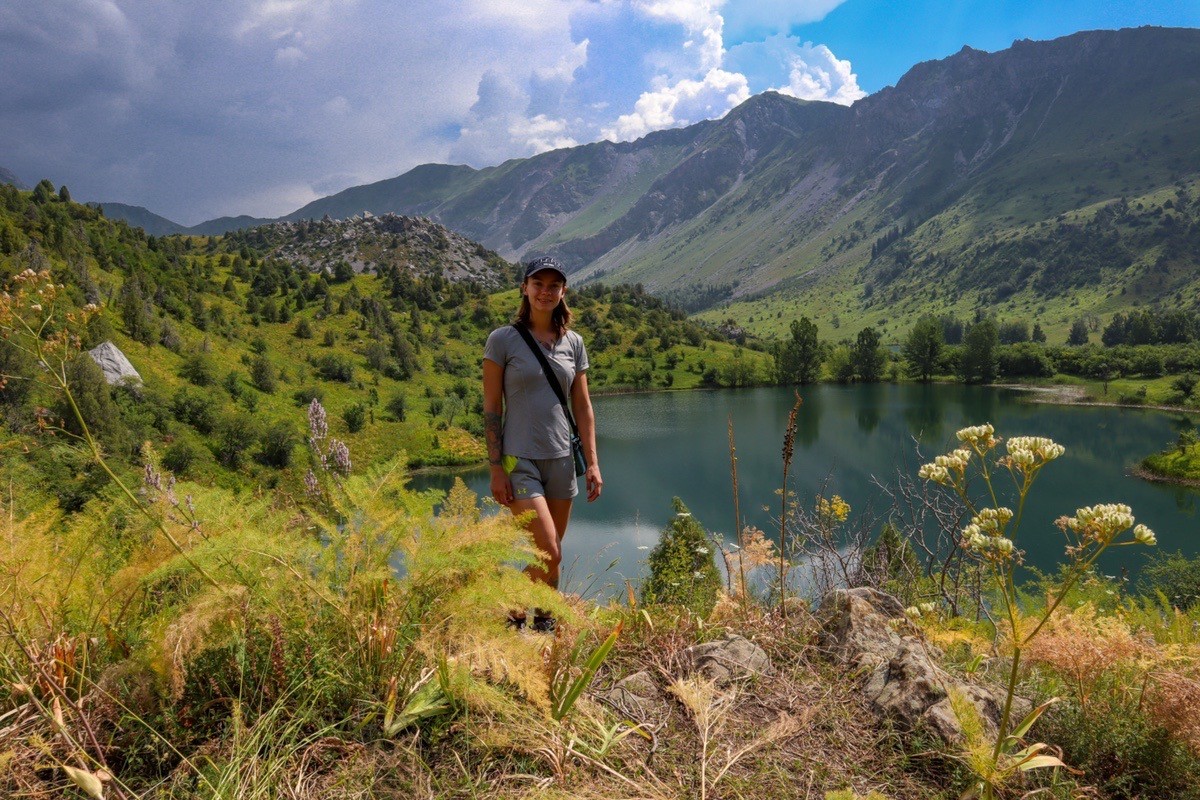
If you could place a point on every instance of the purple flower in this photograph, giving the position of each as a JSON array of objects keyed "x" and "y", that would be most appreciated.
[
  {"x": 318, "y": 423},
  {"x": 311, "y": 485},
  {"x": 151, "y": 478},
  {"x": 340, "y": 453}
]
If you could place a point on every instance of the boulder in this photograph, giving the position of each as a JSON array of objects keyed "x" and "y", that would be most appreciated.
[
  {"x": 636, "y": 696},
  {"x": 861, "y": 628},
  {"x": 114, "y": 364},
  {"x": 727, "y": 660}
]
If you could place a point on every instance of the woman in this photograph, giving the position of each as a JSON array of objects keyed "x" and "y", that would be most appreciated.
[{"x": 528, "y": 434}]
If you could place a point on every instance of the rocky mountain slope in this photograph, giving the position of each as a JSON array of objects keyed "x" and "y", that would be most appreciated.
[
  {"x": 786, "y": 204},
  {"x": 367, "y": 243}
]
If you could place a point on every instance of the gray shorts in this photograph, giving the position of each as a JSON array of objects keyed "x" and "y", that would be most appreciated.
[{"x": 542, "y": 477}]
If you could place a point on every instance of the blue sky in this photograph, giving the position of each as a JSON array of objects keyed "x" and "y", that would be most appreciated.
[{"x": 200, "y": 109}]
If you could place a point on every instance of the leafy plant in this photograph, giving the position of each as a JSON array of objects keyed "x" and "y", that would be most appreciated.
[
  {"x": 682, "y": 567},
  {"x": 990, "y": 538}
]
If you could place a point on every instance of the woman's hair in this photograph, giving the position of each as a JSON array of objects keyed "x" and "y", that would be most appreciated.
[{"x": 560, "y": 318}]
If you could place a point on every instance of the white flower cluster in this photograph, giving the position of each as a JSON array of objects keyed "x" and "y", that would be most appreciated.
[
  {"x": 985, "y": 535},
  {"x": 1100, "y": 523},
  {"x": 1028, "y": 453},
  {"x": 921, "y": 609},
  {"x": 941, "y": 468},
  {"x": 981, "y": 437}
]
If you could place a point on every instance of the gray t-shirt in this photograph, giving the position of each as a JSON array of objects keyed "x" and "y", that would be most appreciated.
[{"x": 534, "y": 423}]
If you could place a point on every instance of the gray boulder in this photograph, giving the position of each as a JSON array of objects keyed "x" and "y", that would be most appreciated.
[
  {"x": 636, "y": 697},
  {"x": 859, "y": 629},
  {"x": 114, "y": 364},
  {"x": 727, "y": 660}
]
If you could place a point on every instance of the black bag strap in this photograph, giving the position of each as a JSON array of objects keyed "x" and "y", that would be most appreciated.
[{"x": 537, "y": 351}]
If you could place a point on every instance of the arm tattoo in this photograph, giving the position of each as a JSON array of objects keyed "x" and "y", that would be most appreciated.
[{"x": 493, "y": 432}]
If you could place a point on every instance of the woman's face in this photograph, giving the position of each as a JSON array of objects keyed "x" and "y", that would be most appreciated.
[{"x": 545, "y": 290}]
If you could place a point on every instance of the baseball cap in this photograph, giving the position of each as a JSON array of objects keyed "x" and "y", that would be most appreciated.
[{"x": 545, "y": 262}]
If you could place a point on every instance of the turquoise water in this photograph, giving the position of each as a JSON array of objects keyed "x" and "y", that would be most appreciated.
[{"x": 656, "y": 446}]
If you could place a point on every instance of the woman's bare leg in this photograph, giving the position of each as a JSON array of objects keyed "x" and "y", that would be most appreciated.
[{"x": 546, "y": 537}]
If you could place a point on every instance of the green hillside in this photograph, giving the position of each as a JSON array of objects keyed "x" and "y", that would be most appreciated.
[{"x": 233, "y": 341}]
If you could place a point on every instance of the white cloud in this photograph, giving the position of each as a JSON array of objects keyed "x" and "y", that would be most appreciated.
[
  {"x": 242, "y": 106},
  {"x": 702, "y": 21},
  {"x": 812, "y": 71},
  {"x": 681, "y": 103},
  {"x": 817, "y": 74},
  {"x": 754, "y": 19}
]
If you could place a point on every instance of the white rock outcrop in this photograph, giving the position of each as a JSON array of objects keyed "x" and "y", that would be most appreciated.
[{"x": 114, "y": 364}]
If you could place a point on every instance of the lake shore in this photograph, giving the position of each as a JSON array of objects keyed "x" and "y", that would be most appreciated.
[{"x": 1074, "y": 395}]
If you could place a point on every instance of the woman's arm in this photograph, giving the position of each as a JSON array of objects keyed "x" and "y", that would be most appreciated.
[
  {"x": 585, "y": 419},
  {"x": 493, "y": 429}
]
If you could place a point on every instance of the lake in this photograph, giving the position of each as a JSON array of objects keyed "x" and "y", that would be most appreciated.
[{"x": 657, "y": 446}]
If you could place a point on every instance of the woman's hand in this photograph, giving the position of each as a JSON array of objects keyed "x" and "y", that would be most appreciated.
[
  {"x": 502, "y": 491},
  {"x": 594, "y": 482}
]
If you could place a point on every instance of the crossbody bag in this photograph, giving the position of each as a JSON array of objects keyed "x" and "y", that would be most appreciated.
[{"x": 576, "y": 443}]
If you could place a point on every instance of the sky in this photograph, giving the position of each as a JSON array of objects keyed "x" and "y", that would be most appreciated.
[{"x": 223, "y": 107}]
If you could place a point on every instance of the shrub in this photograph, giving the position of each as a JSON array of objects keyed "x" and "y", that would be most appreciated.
[
  {"x": 235, "y": 433},
  {"x": 303, "y": 329},
  {"x": 263, "y": 376},
  {"x": 195, "y": 409},
  {"x": 334, "y": 368},
  {"x": 306, "y": 394},
  {"x": 683, "y": 570},
  {"x": 1122, "y": 753},
  {"x": 199, "y": 369},
  {"x": 397, "y": 406},
  {"x": 355, "y": 417},
  {"x": 1175, "y": 575},
  {"x": 179, "y": 457},
  {"x": 276, "y": 445},
  {"x": 232, "y": 383}
]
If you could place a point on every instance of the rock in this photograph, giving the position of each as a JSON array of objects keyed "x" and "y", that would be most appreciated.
[
  {"x": 902, "y": 681},
  {"x": 114, "y": 364},
  {"x": 635, "y": 696},
  {"x": 729, "y": 659}
]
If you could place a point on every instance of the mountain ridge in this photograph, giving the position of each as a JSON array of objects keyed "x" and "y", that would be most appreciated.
[{"x": 783, "y": 195}]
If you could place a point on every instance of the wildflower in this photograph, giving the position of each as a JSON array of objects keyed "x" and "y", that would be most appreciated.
[
  {"x": 979, "y": 437},
  {"x": 927, "y": 608},
  {"x": 318, "y": 423},
  {"x": 912, "y": 611},
  {"x": 151, "y": 477},
  {"x": 992, "y": 520},
  {"x": 1143, "y": 535},
  {"x": 683, "y": 514},
  {"x": 1101, "y": 522},
  {"x": 834, "y": 509},
  {"x": 703, "y": 551},
  {"x": 643, "y": 547},
  {"x": 935, "y": 473},
  {"x": 340, "y": 453},
  {"x": 1030, "y": 453},
  {"x": 311, "y": 485}
]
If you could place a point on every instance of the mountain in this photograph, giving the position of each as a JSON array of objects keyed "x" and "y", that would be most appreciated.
[
  {"x": 140, "y": 217},
  {"x": 948, "y": 185},
  {"x": 156, "y": 225},
  {"x": 366, "y": 243},
  {"x": 7, "y": 176},
  {"x": 978, "y": 182}
]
